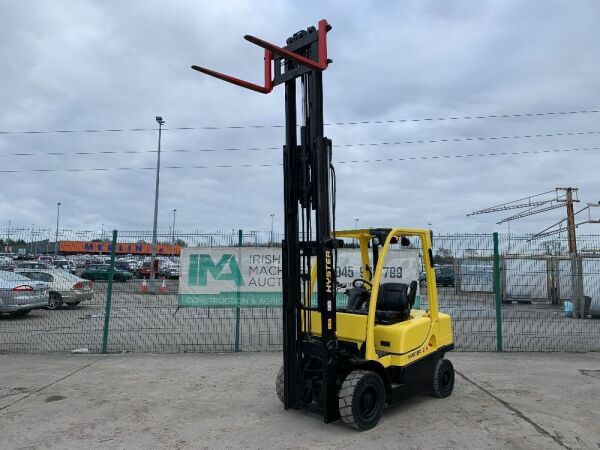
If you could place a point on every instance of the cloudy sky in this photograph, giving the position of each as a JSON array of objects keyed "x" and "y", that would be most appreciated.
[{"x": 116, "y": 65}]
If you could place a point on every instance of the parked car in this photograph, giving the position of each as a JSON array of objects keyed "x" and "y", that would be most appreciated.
[
  {"x": 32, "y": 265},
  {"x": 128, "y": 264},
  {"x": 64, "y": 287},
  {"x": 19, "y": 294},
  {"x": 98, "y": 259},
  {"x": 444, "y": 276},
  {"x": 144, "y": 270},
  {"x": 7, "y": 267},
  {"x": 6, "y": 260},
  {"x": 64, "y": 264},
  {"x": 46, "y": 259},
  {"x": 96, "y": 272},
  {"x": 171, "y": 272},
  {"x": 79, "y": 262},
  {"x": 123, "y": 265},
  {"x": 168, "y": 269}
]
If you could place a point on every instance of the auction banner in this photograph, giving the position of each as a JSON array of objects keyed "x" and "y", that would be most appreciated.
[{"x": 249, "y": 277}]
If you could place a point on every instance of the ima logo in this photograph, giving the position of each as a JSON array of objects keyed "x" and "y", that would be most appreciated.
[{"x": 226, "y": 269}]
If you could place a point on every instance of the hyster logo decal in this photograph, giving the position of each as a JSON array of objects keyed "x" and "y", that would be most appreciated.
[{"x": 201, "y": 265}]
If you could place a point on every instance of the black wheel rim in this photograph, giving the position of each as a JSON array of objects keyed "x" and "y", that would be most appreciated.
[{"x": 368, "y": 402}]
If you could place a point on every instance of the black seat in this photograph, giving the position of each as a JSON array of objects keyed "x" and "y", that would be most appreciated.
[{"x": 394, "y": 302}]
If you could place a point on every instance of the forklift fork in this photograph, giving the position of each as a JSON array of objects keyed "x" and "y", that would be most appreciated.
[{"x": 283, "y": 53}]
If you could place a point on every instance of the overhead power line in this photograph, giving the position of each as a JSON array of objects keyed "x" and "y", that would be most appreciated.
[
  {"x": 515, "y": 204},
  {"x": 550, "y": 231},
  {"x": 250, "y": 149},
  {"x": 406, "y": 159},
  {"x": 547, "y": 206},
  {"x": 359, "y": 122}
]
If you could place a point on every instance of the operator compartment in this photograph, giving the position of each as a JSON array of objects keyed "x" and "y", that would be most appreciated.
[{"x": 387, "y": 277}]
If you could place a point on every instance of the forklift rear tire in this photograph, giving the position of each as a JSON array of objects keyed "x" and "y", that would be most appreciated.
[
  {"x": 279, "y": 384},
  {"x": 361, "y": 399},
  {"x": 443, "y": 378}
]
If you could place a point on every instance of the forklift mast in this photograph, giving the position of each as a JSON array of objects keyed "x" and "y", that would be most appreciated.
[{"x": 309, "y": 361}]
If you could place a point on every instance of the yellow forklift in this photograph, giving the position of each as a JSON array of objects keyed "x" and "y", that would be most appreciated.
[
  {"x": 350, "y": 361},
  {"x": 387, "y": 351}
]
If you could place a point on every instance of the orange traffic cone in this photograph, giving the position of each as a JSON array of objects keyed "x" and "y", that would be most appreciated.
[
  {"x": 163, "y": 287},
  {"x": 144, "y": 287}
]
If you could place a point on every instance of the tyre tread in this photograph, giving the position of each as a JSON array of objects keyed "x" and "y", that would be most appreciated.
[
  {"x": 279, "y": 384},
  {"x": 345, "y": 397},
  {"x": 436, "y": 384}
]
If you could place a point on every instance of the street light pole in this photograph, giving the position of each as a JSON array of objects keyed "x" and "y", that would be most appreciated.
[
  {"x": 29, "y": 250},
  {"x": 272, "y": 215},
  {"x": 160, "y": 122},
  {"x": 57, "y": 218},
  {"x": 173, "y": 229}
]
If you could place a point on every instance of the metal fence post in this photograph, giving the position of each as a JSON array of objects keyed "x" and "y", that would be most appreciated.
[
  {"x": 580, "y": 291},
  {"x": 238, "y": 297},
  {"x": 111, "y": 272},
  {"x": 498, "y": 292}
]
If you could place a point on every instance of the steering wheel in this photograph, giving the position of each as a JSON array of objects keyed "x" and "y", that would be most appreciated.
[{"x": 362, "y": 283}]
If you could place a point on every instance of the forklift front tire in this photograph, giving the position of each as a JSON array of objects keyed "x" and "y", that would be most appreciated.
[
  {"x": 279, "y": 384},
  {"x": 361, "y": 399},
  {"x": 443, "y": 378}
]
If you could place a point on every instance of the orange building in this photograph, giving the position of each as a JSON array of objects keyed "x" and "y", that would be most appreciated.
[{"x": 122, "y": 248}]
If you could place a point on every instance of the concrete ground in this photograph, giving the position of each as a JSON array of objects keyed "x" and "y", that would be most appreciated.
[{"x": 510, "y": 400}]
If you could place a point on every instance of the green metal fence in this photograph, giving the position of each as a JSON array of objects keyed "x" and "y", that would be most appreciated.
[{"x": 504, "y": 293}]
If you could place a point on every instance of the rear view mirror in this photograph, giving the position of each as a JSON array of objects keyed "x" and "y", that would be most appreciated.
[{"x": 404, "y": 241}]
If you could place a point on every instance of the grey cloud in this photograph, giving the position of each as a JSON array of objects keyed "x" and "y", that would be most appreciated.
[{"x": 118, "y": 64}]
